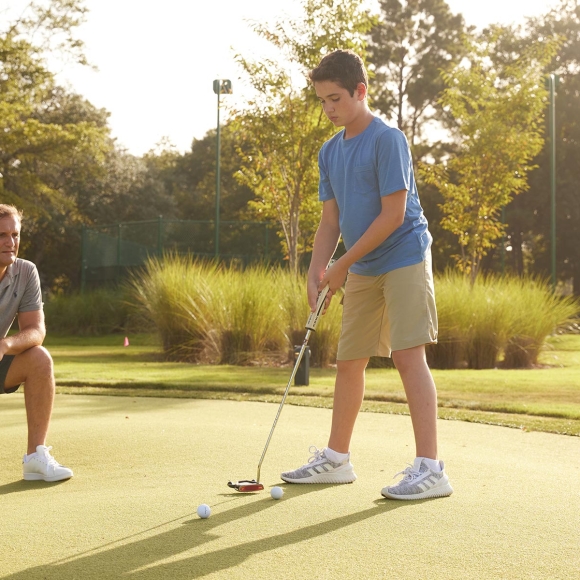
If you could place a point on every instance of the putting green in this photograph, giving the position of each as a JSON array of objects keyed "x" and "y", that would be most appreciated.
[{"x": 142, "y": 466}]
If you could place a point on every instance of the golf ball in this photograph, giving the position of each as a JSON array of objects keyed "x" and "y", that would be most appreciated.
[
  {"x": 276, "y": 492},
  {"x": 203, "y": 511}
]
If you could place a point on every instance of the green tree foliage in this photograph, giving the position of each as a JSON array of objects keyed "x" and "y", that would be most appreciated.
[
  {"x": 497, "y": 104},
  {"x": 195, "y": 179},
  {"x": 281, "y": 132},
  {"x": 48, "y": 138},
  {"x": 413, "y": 41},
  {"x": 529, "y": 217}
]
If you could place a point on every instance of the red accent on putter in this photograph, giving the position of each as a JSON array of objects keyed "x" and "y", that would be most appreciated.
[{"x": 246, "y": 485}]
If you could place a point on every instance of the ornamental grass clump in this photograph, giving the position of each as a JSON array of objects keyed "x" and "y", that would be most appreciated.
[
  {"x": 496, "y": 316},
  {"x": 487, "y": 322},
  {"x": 247, "y": 318},
  {"x": 536, "y": 313},
  {"x": 177, "y": 294},
  {"x": 452, "y": 293}
]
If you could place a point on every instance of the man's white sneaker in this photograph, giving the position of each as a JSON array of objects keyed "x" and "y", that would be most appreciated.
[
  {"x": 320, "y": 469},
  {"x": 42, "y": 465},
  {"x": 420, "y": 482}
]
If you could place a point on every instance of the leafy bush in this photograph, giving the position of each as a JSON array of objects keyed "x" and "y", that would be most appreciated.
[{"x": 102, "y": 311}]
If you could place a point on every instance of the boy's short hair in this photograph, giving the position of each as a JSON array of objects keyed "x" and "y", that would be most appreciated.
[
  {"x": 344, "y": 67},
  {"x": 9, "y": 210}
]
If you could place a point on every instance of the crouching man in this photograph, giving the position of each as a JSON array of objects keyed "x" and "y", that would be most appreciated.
[{"x": 22, "y": 358}]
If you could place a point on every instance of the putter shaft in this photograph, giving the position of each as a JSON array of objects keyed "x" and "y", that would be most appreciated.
[
  {"x": 296, "y": 365},
  {"x": 311, "y": 325}
]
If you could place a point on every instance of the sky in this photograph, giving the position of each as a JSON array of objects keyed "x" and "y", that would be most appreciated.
[{"x": 156, "y": 60}]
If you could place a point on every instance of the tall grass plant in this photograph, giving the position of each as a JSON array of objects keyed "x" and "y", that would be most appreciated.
[
  {"x": 208, "y": 312},
  {"x": 247, "y": 316},
  {"x": 496, "y": 317},
  {"x": 177, "y": 293}
]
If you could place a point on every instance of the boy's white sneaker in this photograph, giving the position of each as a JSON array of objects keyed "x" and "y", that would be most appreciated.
[
  {"x": 420, "y": 482},
  {"x": 42, "y": 465},
  {"x": 320, "y": 469}
]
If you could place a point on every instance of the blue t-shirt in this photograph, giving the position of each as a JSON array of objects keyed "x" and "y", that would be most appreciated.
[{"x": 357, "y": 172}]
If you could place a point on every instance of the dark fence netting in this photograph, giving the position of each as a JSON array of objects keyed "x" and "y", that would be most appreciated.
[{"x": 110, "y": 252}]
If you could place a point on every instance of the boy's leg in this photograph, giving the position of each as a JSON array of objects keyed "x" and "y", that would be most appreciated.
[
  {"x": 421, "y": 397},
  {"x": 361, "y": 332},
  {"x": 348, "y": 396},
  {"x": 413, "y": 323}
]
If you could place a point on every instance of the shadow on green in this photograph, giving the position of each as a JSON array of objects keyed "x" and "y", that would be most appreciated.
[{"x": 146, "y": 558}]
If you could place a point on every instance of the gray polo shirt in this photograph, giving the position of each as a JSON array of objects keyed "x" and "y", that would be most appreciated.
[{"x": 19, "y": 292}]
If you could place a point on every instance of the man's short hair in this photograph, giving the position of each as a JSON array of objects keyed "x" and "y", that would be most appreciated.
[
  {"x": 9, "y": 210},
  {"x": 343, "y": 67}
]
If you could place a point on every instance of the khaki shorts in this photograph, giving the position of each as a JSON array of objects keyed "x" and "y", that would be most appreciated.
[{"x": 386, "y": 313}]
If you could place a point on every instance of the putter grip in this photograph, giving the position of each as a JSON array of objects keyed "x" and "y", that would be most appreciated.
[{"x": 314, "y": 317}]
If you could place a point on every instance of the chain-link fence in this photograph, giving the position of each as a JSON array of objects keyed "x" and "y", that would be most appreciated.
[{"x": 110, "y": 251}]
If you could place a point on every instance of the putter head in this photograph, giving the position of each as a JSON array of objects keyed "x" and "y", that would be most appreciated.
[{"x": 246, "y": 485}]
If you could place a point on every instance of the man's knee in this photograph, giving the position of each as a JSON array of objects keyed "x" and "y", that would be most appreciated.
[
  {"x": 35, "y": 362},
  {"x": 40, "y": 357}
]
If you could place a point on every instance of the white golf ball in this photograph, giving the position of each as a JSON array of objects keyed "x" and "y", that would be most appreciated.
[
  {"x": 203, "y": 511},
  {"x": 276, "y": 492}
]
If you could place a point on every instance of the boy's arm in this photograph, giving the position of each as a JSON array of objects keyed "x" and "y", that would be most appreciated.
[
  {"x": 391, "y": 217},
  {"x": 325, "y": 243},
  {"x": 32, "y": 332}
]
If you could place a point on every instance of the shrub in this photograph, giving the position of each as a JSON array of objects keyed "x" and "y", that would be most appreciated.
[{"x": 102, "y": 311}]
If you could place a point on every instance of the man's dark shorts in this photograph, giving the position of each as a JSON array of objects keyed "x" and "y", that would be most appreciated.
[{"x": 4, "y": 366}]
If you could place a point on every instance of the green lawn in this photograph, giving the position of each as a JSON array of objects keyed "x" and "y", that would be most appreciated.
[{"x": 544, "y": 399}]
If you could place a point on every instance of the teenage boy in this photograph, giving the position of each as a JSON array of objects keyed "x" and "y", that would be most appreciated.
[
  {"x": 22, "y": 358},
  {"x": 370, "y": 198}
]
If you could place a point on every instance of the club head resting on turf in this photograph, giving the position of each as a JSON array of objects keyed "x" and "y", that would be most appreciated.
[{"x": 246, "y": 485}]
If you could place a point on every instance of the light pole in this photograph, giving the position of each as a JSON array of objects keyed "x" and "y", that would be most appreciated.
[
  {"x": 552, "y": 84},
  {"x": 220, "y": 87}
]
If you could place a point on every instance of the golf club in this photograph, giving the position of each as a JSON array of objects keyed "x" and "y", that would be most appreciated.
[{"x": 249, "y": 485}]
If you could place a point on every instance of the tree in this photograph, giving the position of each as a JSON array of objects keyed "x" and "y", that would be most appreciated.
[
  {"x": 529, "y": 218},
  {"x": 498, "y": 109},
  {"x": 47, "y": 138},
  {"x": 195, "y": 179},
  {"x": 413, "y": 41},
  {"x": 281, "y": 132}
]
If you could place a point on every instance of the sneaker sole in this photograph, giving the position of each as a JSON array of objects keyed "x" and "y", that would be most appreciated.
[
  {"x": 443, "y": 491},
  {"x": 324, "y": 478},
  {"x": 40, "y": 477}
]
